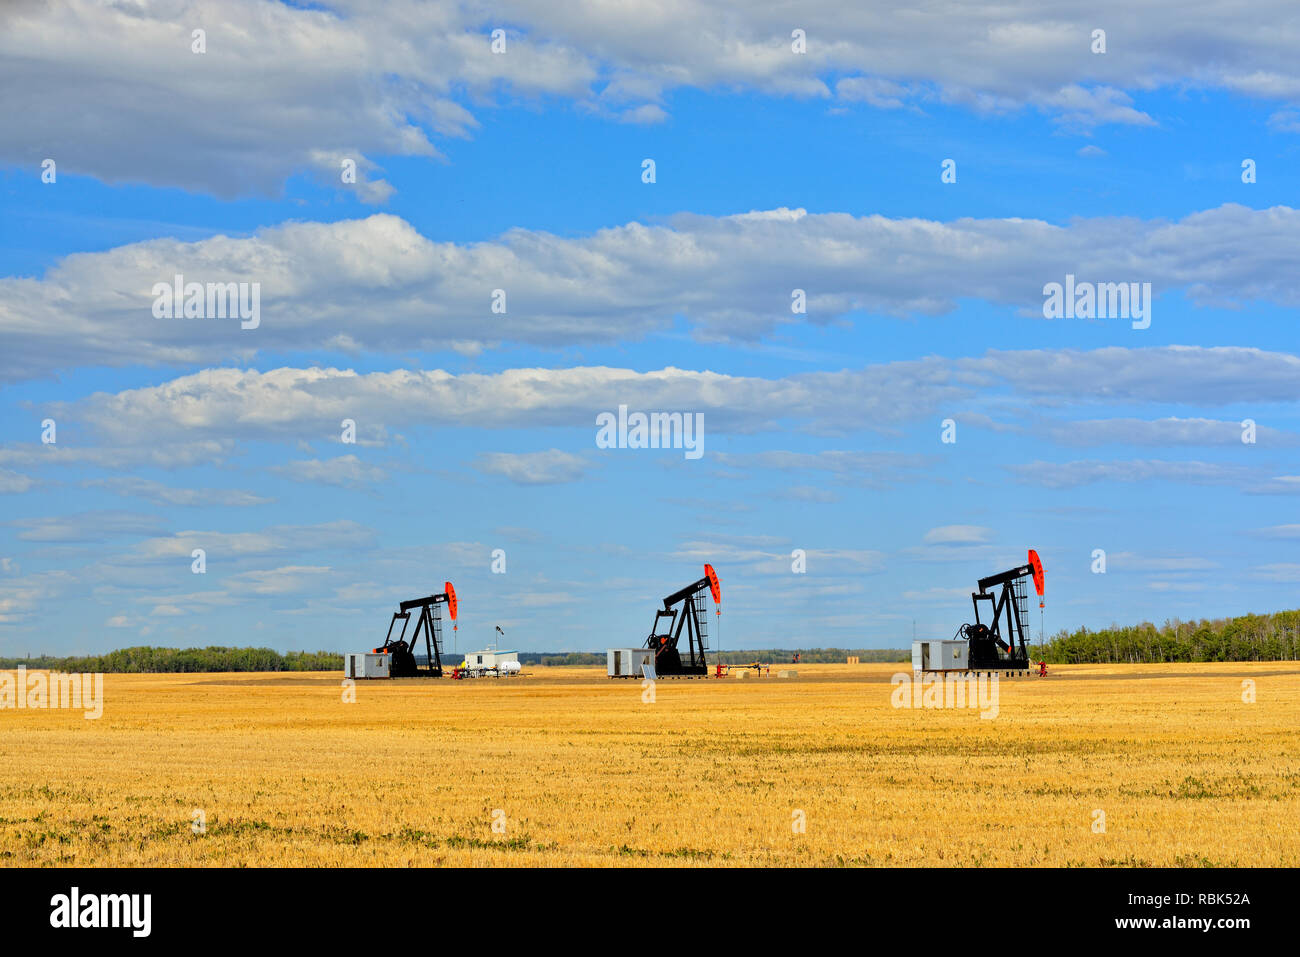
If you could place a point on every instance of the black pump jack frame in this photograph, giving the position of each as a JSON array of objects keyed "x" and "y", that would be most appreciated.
[
  {"x": 668, "y": 658},
  {"x": 428, "y": 621},
  {"x": 987, "y": 644}
]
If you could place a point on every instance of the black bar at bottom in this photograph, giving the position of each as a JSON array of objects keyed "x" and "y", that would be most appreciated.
[{"x": 303, "y": 907}]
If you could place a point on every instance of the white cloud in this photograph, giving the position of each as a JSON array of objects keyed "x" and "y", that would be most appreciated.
[
  {"x": 645, "y": 115},
  {"x": 877, "y": 91},
  {"x": 868, "y": 469},
  {"x": 767, "y": 560},
  {"x": 1279, "y": 572},
  {"x": 1170, "y": 431},
  {"x": 345, "y": 471},
  {"x": 1073, "y": 474},
  {"x": 1078, "y": 106},
  {"x": 958, "y": 535},
  {"x": 281, "y": 89},
  {"x": 14, "y": 482},
  {"x": 1280, "y": 531},
  {"x": 313, "y": 84},
  {"x": 140, "y": 449},
  {"x": 176, "y": 494},
  {"x": 341, "y": 534},
  {"x": 218, "y": 408},
  {"x": 809, "y": 494},
  {"x": 1178, "y": 374},
  {"x": 99, "y": 526},
  {"x": 551, "y": 467},
  {"x": 1131, "y": 562},
  {"x": 1285, "y": 121},
  {"x": 377, "y": 285},
  {"x": 286, "y": 580},
  {"x": 24, "y": 597}
]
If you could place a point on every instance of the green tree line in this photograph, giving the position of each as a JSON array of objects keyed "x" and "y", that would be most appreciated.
[
  {"x": 1274, "y": 637},
  {"x": 180, "y": 660}
]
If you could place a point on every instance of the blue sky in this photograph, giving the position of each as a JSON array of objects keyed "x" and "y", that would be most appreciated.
[{"x": 522, "y": 171}]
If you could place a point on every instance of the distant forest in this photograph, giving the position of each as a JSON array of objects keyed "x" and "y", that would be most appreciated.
[
  {"x": 1274, "y": 637},
  {"x": 180, "y": 660}
]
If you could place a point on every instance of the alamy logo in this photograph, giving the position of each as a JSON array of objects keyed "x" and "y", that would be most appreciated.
[
  {"x": 214, "y": 300},
  {"x": 1106, "y": 300},
  {"x": 75, "y": 909},
  {"x": 654, "y": 430},
  {"x": 53, "y": 690},
  {"x": 946, "y": 690}
]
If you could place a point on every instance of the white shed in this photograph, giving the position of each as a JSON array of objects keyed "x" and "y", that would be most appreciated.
[
  {"x": 488, "y": 660},
  {"x": 628, "y": 662},
  {"x": 940, "y": 655},
  {"x": 365, "y": 666}
]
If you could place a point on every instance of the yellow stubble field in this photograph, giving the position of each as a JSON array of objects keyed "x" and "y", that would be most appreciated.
[{"x": 562, "y": 766}]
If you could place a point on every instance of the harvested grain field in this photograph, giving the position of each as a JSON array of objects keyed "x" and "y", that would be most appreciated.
[{"x": 1097, "y": 765}]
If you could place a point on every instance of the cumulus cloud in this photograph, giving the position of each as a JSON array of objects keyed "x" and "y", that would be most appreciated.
[
  {"x": 344, "y": 471},
  {"x": 220, "y": 405},
  {"x": 218, "y": 408},
  {"x": 377, "y": 285},
  {"x": 210, "y": 417},
  {"x": 315, "y": 84},
  {"x": 1180, "y": 374},
  {"x": 280, "y": 89},
  {"x": 551, "y": 467}
]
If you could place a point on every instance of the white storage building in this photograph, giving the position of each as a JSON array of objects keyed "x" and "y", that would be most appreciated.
[
  {"x": 628, "y": 662},
  {"x": 365, "y": 666},
  {"x": 940, "y": 655}
]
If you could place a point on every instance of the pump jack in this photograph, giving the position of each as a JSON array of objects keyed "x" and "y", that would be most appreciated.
[
  {"x": 429, "y": 620},
  {"x": 694, "y": 617},
  {"x": 989, "y": 650}
]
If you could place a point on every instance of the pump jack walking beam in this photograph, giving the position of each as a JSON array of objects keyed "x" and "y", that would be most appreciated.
[{"x": 1005, "y": 601}]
